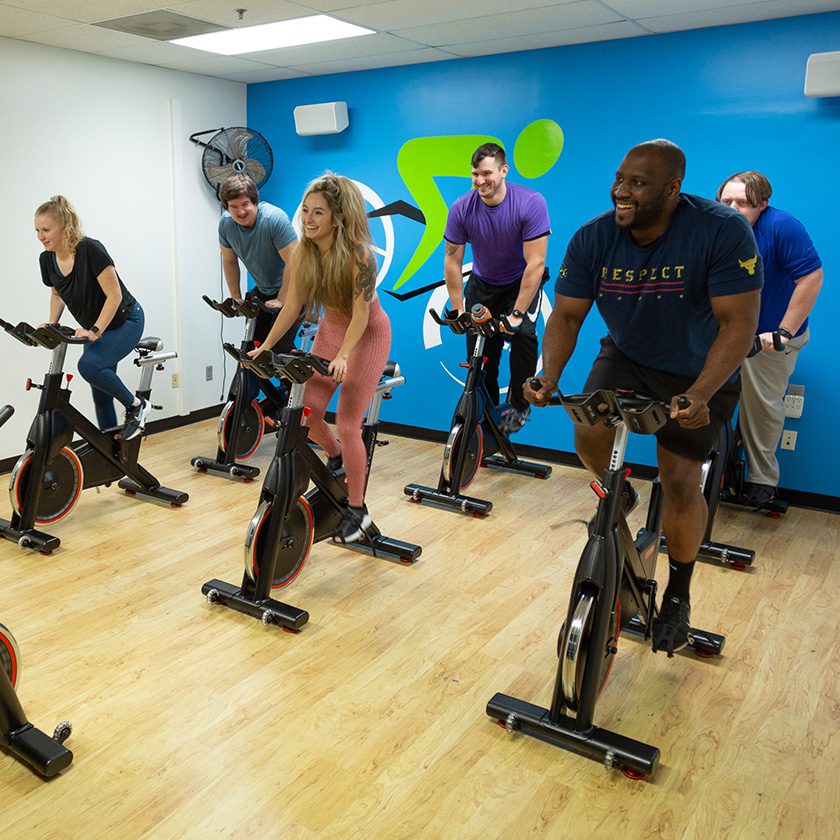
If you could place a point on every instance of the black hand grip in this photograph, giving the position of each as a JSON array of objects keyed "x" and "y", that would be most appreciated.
[
  {"x": 5, "y": 413},
  {"x": 683, "y": 401},
  {"x": 778, "y": 343}
]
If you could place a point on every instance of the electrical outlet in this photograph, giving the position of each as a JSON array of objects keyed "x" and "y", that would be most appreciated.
[
  {"x": 208, "y": 373},
  {"x": 788, "y": 439},
  {"x": 794, "y": 404},
  {"x": 176, "y": 380}
]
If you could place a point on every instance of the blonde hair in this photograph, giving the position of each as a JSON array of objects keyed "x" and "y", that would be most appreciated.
[
  {"x": 327, "y": 280},
  {"x": 60, "y": 209}
]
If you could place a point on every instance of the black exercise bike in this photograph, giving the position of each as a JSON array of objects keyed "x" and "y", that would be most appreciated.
[
  {"x": 243, "y": 421},
  {"x": 44, "y": 754},
  {"x": 49, "y": 477},
  {"x": 288, "y": 519},
  {"x": 475, "y": 438},
  {"x": 614, "y": 590}
]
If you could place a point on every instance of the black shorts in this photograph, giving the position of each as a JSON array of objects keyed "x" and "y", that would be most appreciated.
[{"x": 612, "y": 370}]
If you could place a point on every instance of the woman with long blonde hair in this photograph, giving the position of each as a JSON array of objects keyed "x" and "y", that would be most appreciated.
[
  {"x": 81, "y": 276},
  {"x": 334, "y": 269}
]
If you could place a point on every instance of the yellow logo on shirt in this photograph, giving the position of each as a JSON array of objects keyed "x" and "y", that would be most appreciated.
[{"x": 749, "y": 264}]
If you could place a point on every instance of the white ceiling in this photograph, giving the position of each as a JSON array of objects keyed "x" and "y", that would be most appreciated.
[{"x": 407, "y": 31}]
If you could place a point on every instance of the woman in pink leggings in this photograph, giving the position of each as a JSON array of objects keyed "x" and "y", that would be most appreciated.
[{"x": 334, "y": 268}]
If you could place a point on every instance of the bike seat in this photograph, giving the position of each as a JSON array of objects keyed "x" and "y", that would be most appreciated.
[{"x": 149, "y": 343}]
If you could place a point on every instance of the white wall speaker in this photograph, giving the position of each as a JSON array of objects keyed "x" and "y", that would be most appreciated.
[
  {"x": 822, "y": 74},
  {"x": 324, "y": 118}
]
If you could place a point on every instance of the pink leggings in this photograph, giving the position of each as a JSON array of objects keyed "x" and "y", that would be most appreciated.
[{"x": 364, "y": 370}]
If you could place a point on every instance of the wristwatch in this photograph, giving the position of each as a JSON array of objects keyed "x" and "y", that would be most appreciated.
[
  {"x": 785, "y": 333},
  {"x": 94, "y": 329},
  {"x": 517, "y": 313}
]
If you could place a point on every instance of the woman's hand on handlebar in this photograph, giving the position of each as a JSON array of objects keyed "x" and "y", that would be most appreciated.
[
  {"x": 338, "y": 368},
  {"x": 274, "y": 303},
  {"x": 691, "y": 412},
  {"x": 83, "y": 333},
  {"x": 257, "y": 350},
  {"x": 539, "y": 396}
]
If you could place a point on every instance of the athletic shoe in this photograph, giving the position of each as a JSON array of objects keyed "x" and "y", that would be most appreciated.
[
  {"x": 672, "y": 628},
  {"x": 335, "y": 463},
  {"x": 513, "y": 419},
  {"x": 629, "y": 500},
  {"x": 758, "y": 495},
  {"x": 353, "y": 524},
  {"x": 135, "y": 419}
]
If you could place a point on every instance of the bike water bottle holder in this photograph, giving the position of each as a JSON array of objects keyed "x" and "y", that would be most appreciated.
[
  {"x": 590, "y": 409},
  {"x": 641, "y": 414}
]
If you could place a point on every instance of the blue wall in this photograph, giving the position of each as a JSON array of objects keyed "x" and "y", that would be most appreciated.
[{"x": 731, "y": 97}]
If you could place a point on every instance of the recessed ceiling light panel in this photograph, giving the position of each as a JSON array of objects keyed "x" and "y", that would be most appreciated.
[{"x": 272, "y": 36}]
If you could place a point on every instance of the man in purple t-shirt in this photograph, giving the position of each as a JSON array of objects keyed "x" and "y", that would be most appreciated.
[{"x": 507, "y": 226}]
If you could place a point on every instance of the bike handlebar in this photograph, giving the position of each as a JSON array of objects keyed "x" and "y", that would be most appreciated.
[
  {"x": 296, "y": 366},
  {"x": 778, "y": 345},
  {"x": 49, "y": 335},
  {"x": 477, "y": 320},
  {"x": 249, "y": 307},
  {"x": 5, "y": 413}
]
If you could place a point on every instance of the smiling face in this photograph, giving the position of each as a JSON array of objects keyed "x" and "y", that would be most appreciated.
[
  {"x": 319, "y": 223},
  {"x": 734, "y": 195},
  {"x": 489, "y": 179},
  {"x": 50, "y": 233},
  {"x": 644, "y": 195},
  {"x": 243, "y": 211}
]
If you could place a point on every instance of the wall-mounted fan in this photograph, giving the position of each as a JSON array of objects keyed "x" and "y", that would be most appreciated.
[{"x": 234, "y": 151}]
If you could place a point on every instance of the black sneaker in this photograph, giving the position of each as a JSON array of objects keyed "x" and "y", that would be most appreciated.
[
  {"x": 672, "y": 628},
  {"x": 629, "y": 500},
  {"x": 758, "y": 495},
  {"x": 353, "y": 524},
  {"x": 135, "y": 419},
  {"x": 513, "y": 419},
  {"x": 334, "y": 463}
]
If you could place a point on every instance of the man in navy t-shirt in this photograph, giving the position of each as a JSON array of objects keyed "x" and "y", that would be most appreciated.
[
  {"x": 792, "y": 279},
  {"x": 507, "y": 226},
  {"x": 677, "y": 280}
]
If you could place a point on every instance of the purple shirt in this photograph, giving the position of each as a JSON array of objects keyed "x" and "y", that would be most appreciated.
[{"x": 497, "y": 233}]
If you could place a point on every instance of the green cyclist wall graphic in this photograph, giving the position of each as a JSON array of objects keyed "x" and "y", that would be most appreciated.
[{"x": 423, "y": 159}]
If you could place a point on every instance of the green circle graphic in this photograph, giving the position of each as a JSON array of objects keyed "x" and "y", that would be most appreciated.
[{"x": 537, "y": 148}]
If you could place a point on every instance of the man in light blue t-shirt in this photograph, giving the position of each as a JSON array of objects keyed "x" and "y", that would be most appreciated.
[{"x": 262, "y": 237}]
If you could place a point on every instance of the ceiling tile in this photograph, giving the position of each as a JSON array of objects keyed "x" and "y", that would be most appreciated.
[
  {"x": 15, "y": 22},
  {"x": 87, "y": 11},
  {"x": 151, "y": 52},
  {"x": 271, "y": 74},
  {"x": 737, "y": 14},
  {"x": 400, "y": 14},
  {"x": 209, "y": 63},
  {"x": 566, "y": 37},
  {"x": 81, "y": 37},
  {"x": 373, "y": 62},
  {"x": 499, "y": 27},
  {"x": 333, "y": 5}
]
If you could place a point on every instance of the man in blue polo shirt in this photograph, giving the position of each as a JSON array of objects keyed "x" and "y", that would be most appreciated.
[
  {"x": 507, "y": 226},
  {"x": 677, "y": 281},
  {"x": 792, "y": 279}
]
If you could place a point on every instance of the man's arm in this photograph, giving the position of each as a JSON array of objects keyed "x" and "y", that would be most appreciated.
[
  {"x": 285, "y": 255},
  {"x": 453, "y": 275},
  {"x": 737, "y": 316},
  {"x": 230, "y": 267},
  {"x": 559, "y": 340},
  {"x": 802, "y": 300},
  {"x": 534, "y": 252}
]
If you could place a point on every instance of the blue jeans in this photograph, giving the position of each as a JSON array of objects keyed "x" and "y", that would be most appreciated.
[{"x": 98, "y": 366}]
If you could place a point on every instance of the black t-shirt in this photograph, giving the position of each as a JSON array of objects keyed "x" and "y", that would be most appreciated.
[
  {"x": 80, "y": 290},
  {"x": 656, "y": 299}
]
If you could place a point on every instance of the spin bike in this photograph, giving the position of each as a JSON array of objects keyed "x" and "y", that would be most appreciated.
[
  {"x": 288, "y": 520},
  {"x": 48, "y": 478},
  {"x": 242, "y": 422},
  {"x": 734, "y": 479},
  {"x": 614, "y": 590},
  {"x": 46, "y": 756},
  {"x": 475, "y": 419}
]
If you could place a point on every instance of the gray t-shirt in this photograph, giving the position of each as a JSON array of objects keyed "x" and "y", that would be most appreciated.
[{"x": 258, "y": 246}]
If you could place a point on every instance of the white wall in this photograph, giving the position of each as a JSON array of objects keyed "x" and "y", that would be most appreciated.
[{"x": 113, "y": 137}]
